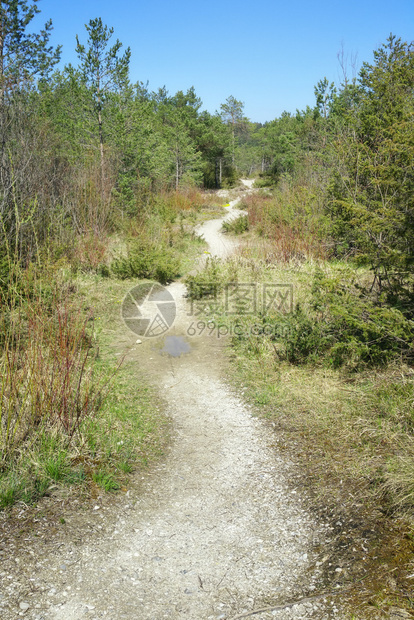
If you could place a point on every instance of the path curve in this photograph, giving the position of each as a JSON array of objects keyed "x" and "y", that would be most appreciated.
[
  {"x": 220, "y": 245},
  {"x": 217, "y": 530}
]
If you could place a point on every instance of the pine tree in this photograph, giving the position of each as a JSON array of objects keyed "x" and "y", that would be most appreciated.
[{"x": 105, "y": 72}]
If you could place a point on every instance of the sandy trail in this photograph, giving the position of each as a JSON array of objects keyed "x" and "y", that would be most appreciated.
[
  {"x": 218, "y": 244},
  {"x": 248, "y": 182},
  {"x": 216, "y": 529}
]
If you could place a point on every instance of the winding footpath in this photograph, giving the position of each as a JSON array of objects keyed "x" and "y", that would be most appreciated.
[{"x": 216, "y": 531}]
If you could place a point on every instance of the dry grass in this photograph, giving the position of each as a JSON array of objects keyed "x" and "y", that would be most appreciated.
[
  {"x": 46, "y": 368},
  {"x": 351, "y": 440},
  {"x": 291, "y": 219},
  {"x": 183, "y": 199},
  {"x": 89, "y": 251},
  {"x": 348, "y": 421}
]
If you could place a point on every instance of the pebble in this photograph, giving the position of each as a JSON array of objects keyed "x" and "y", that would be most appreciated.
[{"x": 24, "y": 606}]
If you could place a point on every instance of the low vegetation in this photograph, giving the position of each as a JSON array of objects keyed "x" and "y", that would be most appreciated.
[{"x": 237, "y": 225}]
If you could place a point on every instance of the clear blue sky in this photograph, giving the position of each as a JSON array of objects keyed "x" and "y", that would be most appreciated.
[{"x": 268, "y": 54}]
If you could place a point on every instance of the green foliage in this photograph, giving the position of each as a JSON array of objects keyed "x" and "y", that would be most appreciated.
[
  {"x": 237, "y": 225},
  {"x": 24, "y": 54},
  {"x": 146, "y": 260},
  {"x": 208, "y": 282},
  {"x": 28, "y": 490},
  {"x": 343, "y": 327},
  {"x": 285, "y": 144},
  {"x": 232, "y": 115},
  {"x": 325, "y": 95},
  {"x": 103, "y": 69},
  {"x": 371, "y": 192},
  {"x": 57, "y": 466},
  {"x": 106, "y": 480}
]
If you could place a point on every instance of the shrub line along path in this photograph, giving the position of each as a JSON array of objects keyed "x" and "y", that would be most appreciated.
[{"x": 215, "y": 530}]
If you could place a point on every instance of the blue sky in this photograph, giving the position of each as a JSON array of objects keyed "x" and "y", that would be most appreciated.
[{"x": 268, "y": 54}]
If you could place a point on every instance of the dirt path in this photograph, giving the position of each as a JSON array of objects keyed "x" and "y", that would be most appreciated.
[
  {"x": 248, "y": 182},
  {"x": 218, "y": 244},
  {"x": 214, "y": 532}
]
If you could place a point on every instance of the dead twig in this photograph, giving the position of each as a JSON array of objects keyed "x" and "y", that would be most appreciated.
[{"x": 300, "y": 601}]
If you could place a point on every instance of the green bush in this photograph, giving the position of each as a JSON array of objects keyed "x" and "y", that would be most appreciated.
[
  {"x": 208, "y": 282},
  {"x": 237, "y": 226},
  {"x": 343, "y": 327},
  {"x": 146, "y": 261}
]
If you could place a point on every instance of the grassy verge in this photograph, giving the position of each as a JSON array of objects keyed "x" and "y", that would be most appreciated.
[
  {"x": 359, "y": 404},
  {"x": 349, "y": 437},
  {"x": 71, "y": 415}
]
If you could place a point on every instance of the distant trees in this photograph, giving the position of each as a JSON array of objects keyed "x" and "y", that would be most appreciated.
[
  {"x": 356, "y": 146},
  {"x": 232, "y": 115},
  {"x": 85, "y": 146}
]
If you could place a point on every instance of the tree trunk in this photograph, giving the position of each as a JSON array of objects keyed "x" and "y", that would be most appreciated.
[
  {"x": 101, "y": 148},
  {"x": 2, "y": 109},
  {"x": 177, "y": 172}
]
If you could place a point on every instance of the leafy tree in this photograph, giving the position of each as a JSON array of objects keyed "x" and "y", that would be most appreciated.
[
  {"x": 325, "y": 94},
  {"x": 213, "y": 143},
  {"x": 177, "y": 132},
  {"x": 23, "y": 55},
  {"x": 284, "y": 144}
]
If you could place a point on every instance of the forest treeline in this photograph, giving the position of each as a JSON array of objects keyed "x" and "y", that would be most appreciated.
[{"x": 83, "y": 148}]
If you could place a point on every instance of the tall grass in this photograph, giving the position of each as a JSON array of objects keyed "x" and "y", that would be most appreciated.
[
  {"x": 46, "y": 370},
  {"x": 181, "y": 200}
]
